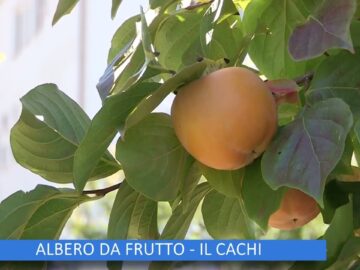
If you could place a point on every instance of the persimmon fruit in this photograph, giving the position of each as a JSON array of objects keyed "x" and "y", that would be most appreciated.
[
  {"x": 296, "y": 209},
  {"x": 225, "y": 119}
]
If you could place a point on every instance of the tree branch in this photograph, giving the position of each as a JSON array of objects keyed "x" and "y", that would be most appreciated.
[
  {"x": 102, "y": 192},
  {"x": 305, "y": 79}
]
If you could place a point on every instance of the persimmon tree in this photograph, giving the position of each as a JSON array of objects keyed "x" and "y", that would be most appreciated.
[{"x": 308, "y": 54}]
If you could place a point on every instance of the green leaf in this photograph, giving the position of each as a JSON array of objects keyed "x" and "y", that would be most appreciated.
[
  {"x": 154, "y": 162},
  {"x": 133, "y": 216},
  {"x": 328, "y": 28},
  {"x": 48, "y": 133},
  {"x": 286, "y": 94},
  {"x": 146, "y": 72},
  {"x": 357, "y": 13},
  {"x": 160, "y": 3},
  {"x": 287, "y": 113},
  {"x": 272, "y": 22},
  {"x": 356, "y": 211},
  {"x": 181, "y": 47},
  {"x": 242, "y": 4},
  {"x": 227, "y": 183},
  {"x": 309, "y": 7},
  {"x": 303, "y": 153},
  {"x": 64, "y": 7},
  {"x": 124, "y": 35},
  {"x": 114, "y": 265},
  {"x": 350, "y": 186},
  {"x": 223, "y": 38},
  {"x": 336, "y": 236},
  {"x": 23, "y": 265},
  {"x": 355, "y": 31},
  {"x": 337, "y": 76},
  {"x": 162, "y": 265},
  {"x": 120, "y": 51},
  {"x": 146, "y": 38},
  {"x": 356, "y": 140},
  {"x": 38, "y": 214},
  {"x": 138, "y": 68},
  {"x": 106, "y": 81},
  {"x": 254, "y": 186},
  {"x": 348, "y": 254},
  {"x": 114, "y": 8},
  {"x": 148, "y": 104},
  {"x": 334, "y": 197},
  {"x": 179, "y": 222},
  {"x": 103, "y": 129},
  {"x": 229, "y": 38},
  {"x": 344, "y": 166},
  {"x": 228, "y": 8},
  {"x": 225, "y": 217},
  {"x": 134, "y": 68},
  {"x": 189, "y": 184}
]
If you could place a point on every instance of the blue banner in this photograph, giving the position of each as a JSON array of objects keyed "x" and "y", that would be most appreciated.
[{"x": 164, "y": 250}]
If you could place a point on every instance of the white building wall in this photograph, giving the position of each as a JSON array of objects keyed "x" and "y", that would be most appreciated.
[{"x": 36, "y": 53}]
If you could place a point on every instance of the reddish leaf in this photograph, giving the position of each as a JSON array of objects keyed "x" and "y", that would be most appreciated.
[
  {"x": 284, "y": 90},
  {"x": 328, "y": 28}
]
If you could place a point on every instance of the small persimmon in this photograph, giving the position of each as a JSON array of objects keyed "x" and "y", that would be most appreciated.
[{"x": 296, "y": 209}]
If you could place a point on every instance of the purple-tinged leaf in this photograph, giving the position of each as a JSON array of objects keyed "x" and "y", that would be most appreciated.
[
  {"x": 270, "y": 24},
  {"x": 304, "y": 153},
  {"x": 284, "y": 90},
  {"x": 328, "y": 28}
]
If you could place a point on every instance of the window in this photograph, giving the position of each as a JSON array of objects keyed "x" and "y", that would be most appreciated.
[
  {"x": 19, "y": 38},
  {"x": 3, "y": 155},
  {"x": 40, "y": 10},
  {"x": 29, "y": 19},
  {"x": 3, "y": 142}
]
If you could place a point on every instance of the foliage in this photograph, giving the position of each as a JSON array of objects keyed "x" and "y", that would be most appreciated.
[{"x": 309, "y": 50}]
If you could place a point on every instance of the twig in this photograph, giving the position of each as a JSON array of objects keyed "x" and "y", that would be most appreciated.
[
  {"x": 103, "y": 191},
  {"x": 305, "y": 80}
]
